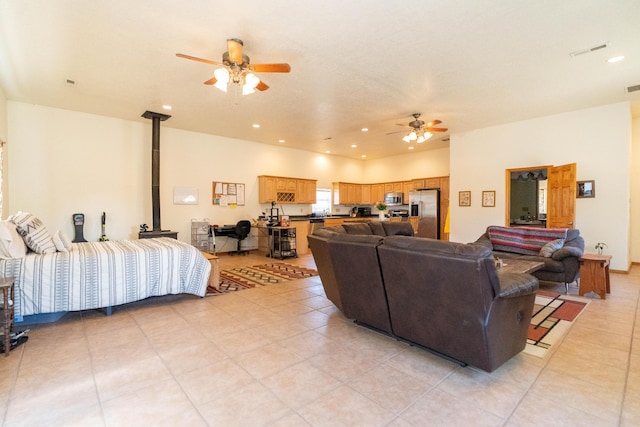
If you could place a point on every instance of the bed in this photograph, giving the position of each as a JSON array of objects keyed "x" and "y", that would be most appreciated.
[{"x": 95, "y": 275}]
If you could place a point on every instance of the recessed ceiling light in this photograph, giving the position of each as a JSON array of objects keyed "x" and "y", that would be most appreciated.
[
  {"x": 615, "y": 59},
  {"x": 353, "y": 145},
  {"x": 256, "y": 125},
  {"x": 167, "y": 107},
  {"x": 411, "y": 147},
  {"x": 281, "y": 141},
  {"x": 364, "y": 129},
  {"x": 328, "y": 152},
  {"x": 364, "y": 156}
]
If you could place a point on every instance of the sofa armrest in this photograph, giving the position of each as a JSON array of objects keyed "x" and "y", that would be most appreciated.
[
  {"x": 484, "y": 241},
  {"x": 574, "y": 248},
  {"x": 516, "y": 284}
]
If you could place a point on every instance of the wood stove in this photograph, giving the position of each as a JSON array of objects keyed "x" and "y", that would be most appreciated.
[{"x": 157, "y": 230}]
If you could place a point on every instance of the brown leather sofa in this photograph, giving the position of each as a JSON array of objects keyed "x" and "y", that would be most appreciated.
[{"x": 444, "y": 296}]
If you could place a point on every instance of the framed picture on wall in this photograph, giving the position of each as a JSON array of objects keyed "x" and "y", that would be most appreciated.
[
  {"x": 586, "y": 189},
  {"x": 464, "y": 198},
  {"x": 488, "y": 199}
]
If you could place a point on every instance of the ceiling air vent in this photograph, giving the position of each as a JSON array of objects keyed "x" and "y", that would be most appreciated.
[
  {"x": 589, "y": 50},
  {"x": 633, "y": 88}
]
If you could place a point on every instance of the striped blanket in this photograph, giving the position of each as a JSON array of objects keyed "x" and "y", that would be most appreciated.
[
  {"x": 523, "y": 240},
  {"x": 105, "y": 274}
]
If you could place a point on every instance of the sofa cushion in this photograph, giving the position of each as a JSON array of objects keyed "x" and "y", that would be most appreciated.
[
  {"x": 402, "y": 228},
  {"x": 329, "y": 231},
  {"x": 357, "y": 228},
  {"x": 548, "y": 249},
  {"x": 523, "y": 240},
  {"x": 462, "y": 250},
  {"x": 377, "y": 228}
]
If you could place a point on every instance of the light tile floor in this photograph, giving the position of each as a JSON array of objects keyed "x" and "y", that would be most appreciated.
[{"x": 282, "y": 355}]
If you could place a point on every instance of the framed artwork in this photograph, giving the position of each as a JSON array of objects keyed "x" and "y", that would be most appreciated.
[
  {"x": 464, "y": 198},
  {"x": 586, "y": 189},
  {"x": 488, "y": 199}
]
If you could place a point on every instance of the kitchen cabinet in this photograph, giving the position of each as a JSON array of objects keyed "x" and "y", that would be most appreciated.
[
  {"x": 417, "y": 184},
  {"x": 286, "y": 190},
  {"x": 377, "y": 193},
  {"x": 354, "y": 193},
  {"x": 302, "y": 230},
  {"x": 407, "y": 186},
  {"x": 346, "y": 193},
  {"x": 432, "y": 183},
  {"x": 365, "y": 192}
]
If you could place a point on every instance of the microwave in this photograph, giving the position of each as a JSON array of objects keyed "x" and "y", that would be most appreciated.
[{"x": 394, "y": 199}]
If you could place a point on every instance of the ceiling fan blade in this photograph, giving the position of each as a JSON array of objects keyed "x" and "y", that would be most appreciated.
[
  {"x": 398, "y": 131},
  {"x": 436, "y": 129},
  {"x": 211, "y": 81},
  {"x": 433, "y": 123},
  {"x": 262, "y": 86},
  {"x": 193, "y": 58},
  {"x": 235, "y": 50},
  {"x": 271, "y": 68}
]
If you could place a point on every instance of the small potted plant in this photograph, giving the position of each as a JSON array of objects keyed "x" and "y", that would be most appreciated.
[
  {"x": 600, "y": 247},
  {"x": 382, "y": 207}
]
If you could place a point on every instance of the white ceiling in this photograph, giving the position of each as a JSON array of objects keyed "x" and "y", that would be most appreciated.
[{"x": 355, "y": 63}]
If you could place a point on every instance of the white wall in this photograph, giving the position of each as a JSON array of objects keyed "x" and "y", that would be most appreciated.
[
  {"x": 597, "y": 139},
  {"x": 3, "y": 136},
  {"x": 66, "y": 162},
  {"x": 404, "y": 167},
  {"x": 635, "y": 193}
]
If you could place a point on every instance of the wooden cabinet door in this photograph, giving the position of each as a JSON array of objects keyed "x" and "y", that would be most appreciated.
[
  {"x": 302, "y": 230},
  {"x": 377, "y": 193},
  {"x": 444, "y": 188},
  {"x": 311, "y": 191},
  {"x": 365, "y": 197},
  {"x": 432, "y": 183},
  {"x": 417, "y": 184},
  {"x": 398, "y": 187},
  {"x": 407, "y": 186},
  {"x": 561, "y": 189},
  {"x": 266, "y": 189},
  {"x": 353, "y": 192},
  {"x": 281, "y": 184},
  {"x": 301, "y": 191},
  {"x": 388, "y": 187}
]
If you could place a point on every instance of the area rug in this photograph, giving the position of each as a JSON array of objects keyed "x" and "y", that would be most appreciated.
[
  {"x": 553, "y": 315},
  {"x": 239, "y": 278}
]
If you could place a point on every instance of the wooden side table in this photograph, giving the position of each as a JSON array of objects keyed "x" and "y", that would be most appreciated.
[
  {"x": 214, "y": 276},
  {"x": 594, "y": 274},
  {"x": 6, "y": 286}
]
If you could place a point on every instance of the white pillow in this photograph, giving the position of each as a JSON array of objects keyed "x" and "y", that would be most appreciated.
[
  {"x": 11, "y": 244},
  {"x": 62, "y": 242},
  {"x": 33, "y": 232}
]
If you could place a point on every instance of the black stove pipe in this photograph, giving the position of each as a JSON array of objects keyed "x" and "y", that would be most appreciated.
[{"x": 156, "y": 118}]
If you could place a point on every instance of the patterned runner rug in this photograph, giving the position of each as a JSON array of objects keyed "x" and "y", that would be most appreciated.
[
  {"x": 239, "y": 278},
  {"x": 553, "y": 315}
]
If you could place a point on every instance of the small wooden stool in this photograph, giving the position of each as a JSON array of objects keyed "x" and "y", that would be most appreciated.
[
  {"x": 214, "y": 277},
  {"x": 594, "y": 274}
]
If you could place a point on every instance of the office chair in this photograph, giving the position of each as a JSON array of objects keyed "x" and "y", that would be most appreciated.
[{"x": 241, "y": 232}]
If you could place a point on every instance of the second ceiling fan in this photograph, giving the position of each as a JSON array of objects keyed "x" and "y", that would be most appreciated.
[
  {"x": 237, "y": 69},
  {"x": 420, "y": 131}
]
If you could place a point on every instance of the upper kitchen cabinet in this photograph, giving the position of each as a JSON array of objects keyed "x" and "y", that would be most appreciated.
[{"x": 286, "y": 190}]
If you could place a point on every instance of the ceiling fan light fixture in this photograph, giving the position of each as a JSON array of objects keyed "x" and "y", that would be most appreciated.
[
  {"x": 413, "y": 136},
  {"x": 406, "y": 138},
  {"x": 222, "y": 77},
  {"x": 250, "y": 83}
]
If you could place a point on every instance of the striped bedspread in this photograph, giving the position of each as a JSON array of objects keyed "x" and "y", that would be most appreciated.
[{"x": 105, "y": 274}]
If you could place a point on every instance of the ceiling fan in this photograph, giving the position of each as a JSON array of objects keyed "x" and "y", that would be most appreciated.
[
  {"x": 420, "y": 131},
  {"x": 237, "y": 69}
]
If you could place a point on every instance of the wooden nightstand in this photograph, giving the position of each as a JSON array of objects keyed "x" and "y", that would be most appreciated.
[
  {"x": 6, "y": 285},
  {"x": 214, "y": 276},
  {"x": 594, "y": 274}
]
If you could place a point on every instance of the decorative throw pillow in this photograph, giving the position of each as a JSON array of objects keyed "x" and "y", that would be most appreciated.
[
  {"x": 11, "y": 244},
  {"x": 548, "y": 249},
  {"x": 33, "y": 232},
  {"x": 61, "y": 241}
]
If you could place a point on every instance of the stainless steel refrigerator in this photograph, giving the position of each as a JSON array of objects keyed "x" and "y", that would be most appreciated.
[{"x": 426, "y": 205}]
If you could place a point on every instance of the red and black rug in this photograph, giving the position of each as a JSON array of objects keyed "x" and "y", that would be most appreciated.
[{"x": 239, "y": 278}]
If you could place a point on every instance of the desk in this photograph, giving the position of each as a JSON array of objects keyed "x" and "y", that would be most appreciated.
[
  {"x": 594, "y": 274},
  {"x": 6, "y": 286}
]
